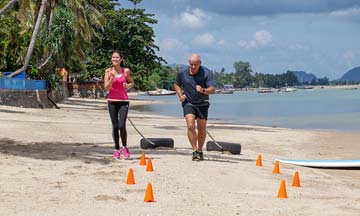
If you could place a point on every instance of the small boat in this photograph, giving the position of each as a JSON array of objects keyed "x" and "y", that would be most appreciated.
[
  {"x": 305, "y": 87},
  {"x": 161, "y": 92},
  {"x": 287, "y": 89},
  {"x": 265, "y": 90},
  {"x": 227, "y": 89}
]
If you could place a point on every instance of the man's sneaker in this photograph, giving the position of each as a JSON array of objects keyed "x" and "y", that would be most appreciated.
[
  {"x": 126, "y": 152},
  {"x": 201, "y": 155},
  {"x": 195, "y": 156},
  {"x": 116, "y": 154}
]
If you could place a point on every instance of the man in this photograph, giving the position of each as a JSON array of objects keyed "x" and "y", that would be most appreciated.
[{"x": 193, "y": 85}]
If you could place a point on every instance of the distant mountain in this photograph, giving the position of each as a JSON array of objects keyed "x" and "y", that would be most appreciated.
[
  {"x": 351, "y": 75},
  {"x": 173, "y": 66},
  {"x": 304, "y": 77}
]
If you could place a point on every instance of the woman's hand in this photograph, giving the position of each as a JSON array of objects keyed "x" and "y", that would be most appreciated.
[{"x": 113, "y": 74}]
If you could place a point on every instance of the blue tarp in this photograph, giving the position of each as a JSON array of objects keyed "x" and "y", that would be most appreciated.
[
  {"x": 20, "y": 83},
  {"x": 21, "y": 75}
]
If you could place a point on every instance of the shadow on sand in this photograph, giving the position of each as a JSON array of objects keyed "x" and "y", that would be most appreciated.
[{"x": 98, "y": 152}]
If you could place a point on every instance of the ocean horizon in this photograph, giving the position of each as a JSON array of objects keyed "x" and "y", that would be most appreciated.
[{"x": 321, "y": 109}]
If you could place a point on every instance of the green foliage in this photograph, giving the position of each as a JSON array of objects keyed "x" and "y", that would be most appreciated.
[
  {"x": 167, "y": 78},
  {"x": 153, "y": 81},
  {"x": 243, "y": 78},
  {"x": 130, "y": 31},
  {"x": 13, "y": 43},
  {"x": 320, "y": 81},
  {"x": 242, "y": 74},
  {"x": 53, "y": 81},
  {"x": 80, "y": 36},
  {"x": 34, "y": 73}
]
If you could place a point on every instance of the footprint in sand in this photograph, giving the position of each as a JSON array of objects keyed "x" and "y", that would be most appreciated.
[
  {"x": 110, "y": 173},
  {"x": 107, "y": 197}
]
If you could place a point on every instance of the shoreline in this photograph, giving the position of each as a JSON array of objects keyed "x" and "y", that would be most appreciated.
[{"x": 59, "y": 162}]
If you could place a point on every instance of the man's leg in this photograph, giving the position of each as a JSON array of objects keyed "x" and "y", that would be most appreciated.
[
  {"x": 201, "y": 136},
  {"x": 201, "y": 127},
  {"x": 190, "y": 123}
]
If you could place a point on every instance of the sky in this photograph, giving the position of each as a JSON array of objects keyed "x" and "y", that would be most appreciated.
[{"x": 316, "y": 36}]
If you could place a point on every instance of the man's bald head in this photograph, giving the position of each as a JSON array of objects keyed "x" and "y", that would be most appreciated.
[
  {"x": 195, "y": 58},
  {"x": 194, "y": 63}
]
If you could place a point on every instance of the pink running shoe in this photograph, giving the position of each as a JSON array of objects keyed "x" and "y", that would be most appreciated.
[
  {"x": 116, "y": 154},
  {"x": 126, "y": 152}
]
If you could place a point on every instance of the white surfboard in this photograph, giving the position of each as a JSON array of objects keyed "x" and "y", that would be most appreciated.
[{"x": 323, "y": 163}]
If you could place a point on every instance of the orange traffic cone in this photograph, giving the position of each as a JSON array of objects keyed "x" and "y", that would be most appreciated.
[
  {"x": 282, "y": 190},
  {"x": 130, "y": 178},
  {"x": 276, "y": 169},
  {"x": 149, "y": 167},
  {"x": 296, "y": 180},
  {"x": 149, "y": 196},
  {"x": 259, "y": 161},
  {"x": 142, "y": 160}
]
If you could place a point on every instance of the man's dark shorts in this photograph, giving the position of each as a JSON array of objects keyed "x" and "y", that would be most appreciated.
[{"x": 200, "y": 111}]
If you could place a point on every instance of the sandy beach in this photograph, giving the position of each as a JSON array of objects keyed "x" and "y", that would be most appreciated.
[{"x": 59, "y": 162}]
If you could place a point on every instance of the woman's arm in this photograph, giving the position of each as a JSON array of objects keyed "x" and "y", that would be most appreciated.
[{"x": 108, "y": 80}]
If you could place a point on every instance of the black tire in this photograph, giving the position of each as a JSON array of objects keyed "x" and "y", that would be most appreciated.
[
  {"x": 159, "y": 142},
  {"x": 233, "y": 148}
]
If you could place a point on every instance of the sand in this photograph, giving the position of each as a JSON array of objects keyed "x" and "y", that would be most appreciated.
[{"x": 59, "y": 162}]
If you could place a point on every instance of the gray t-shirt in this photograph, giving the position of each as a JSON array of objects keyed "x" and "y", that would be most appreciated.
[{"x": 187, "y": 82}]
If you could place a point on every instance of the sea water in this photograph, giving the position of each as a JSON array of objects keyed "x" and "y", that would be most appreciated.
[{"x": 329, "y": 109}]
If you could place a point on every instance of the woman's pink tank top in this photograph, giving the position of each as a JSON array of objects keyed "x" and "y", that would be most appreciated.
[{"x": 117, "y": 90}]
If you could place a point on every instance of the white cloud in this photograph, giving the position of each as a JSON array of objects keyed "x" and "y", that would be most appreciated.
[
  {"x": 169, "y": 44},
  {"x": 205, "y": 39},
  {"x": 196, "y": 18},
  {"x": 261, "y": 38},
  {"x": 352, "y": 14},
  {"x": 221, "y": 43},
  {"x": 346, "y": 13}
]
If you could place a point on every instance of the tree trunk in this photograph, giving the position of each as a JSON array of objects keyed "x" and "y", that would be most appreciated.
[
  {"x": 7, "y": 6},
  {"x": 33, "y": 40},
  {"x": 51, "y": 13},
  {"x": 46, "y": 61}
]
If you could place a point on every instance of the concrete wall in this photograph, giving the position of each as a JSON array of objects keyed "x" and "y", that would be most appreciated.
[
  {"x": 38, "y": 98},
  {"x": 87, "y": 89},
  {"x": 25, "y": 98}
]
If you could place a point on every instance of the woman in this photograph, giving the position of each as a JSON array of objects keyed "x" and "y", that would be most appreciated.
[{"x": 117, "y": 80}]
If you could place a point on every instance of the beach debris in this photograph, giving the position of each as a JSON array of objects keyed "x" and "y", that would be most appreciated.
[
  {"x": 259, "y": 160},
  {"x": 149, "y": 167},
  {"x": 142, "y": 160},
  {"x": 130, "y": 178},
  {"x": 296, "y": 180},
  {"x": 149, "y": 196},
  {"x": 276, "y": 169},
  {"x": 282, "y": 190}
]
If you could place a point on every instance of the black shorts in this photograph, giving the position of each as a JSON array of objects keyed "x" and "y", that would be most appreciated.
[{"x": 200, "y": 112}]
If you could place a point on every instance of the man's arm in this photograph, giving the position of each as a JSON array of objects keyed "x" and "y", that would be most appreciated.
[
  {"x": 209, "y": 90},
  {"x": 179, "y": 93}
]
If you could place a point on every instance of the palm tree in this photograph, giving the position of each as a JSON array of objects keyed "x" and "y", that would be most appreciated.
[
  {"x": 7, "y": 6},
  {"x": 89, "y": 19},
  {"x": 33, "y": 40}
]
